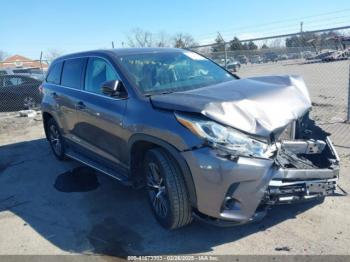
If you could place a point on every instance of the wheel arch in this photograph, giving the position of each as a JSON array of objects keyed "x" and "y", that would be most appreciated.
[
  {"x": 46, "y": 117},
  {"x": 139, "y": 143}
]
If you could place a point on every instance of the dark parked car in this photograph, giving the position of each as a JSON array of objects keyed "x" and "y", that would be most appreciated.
[
  {"x": 35, "y": 73},
  {"x": 200, "y": 141},
  {"x": 270, "y": 57},
  {"x": 321, "y": 55},
  {"x": 19, "y": 92},
  {"x": 335, "y": 56},
  {"x": 233, "y": 66}
]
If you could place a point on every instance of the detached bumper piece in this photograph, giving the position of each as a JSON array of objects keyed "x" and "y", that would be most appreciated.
[{"x": 279, "y": 192}]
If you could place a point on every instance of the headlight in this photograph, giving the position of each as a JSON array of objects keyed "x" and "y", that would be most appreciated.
[{"x": 225, "y": 137}]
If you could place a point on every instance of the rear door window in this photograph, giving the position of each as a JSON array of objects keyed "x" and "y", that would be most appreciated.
[
  {"x": 72, "y": 73},
  {"x": 54, "y": 76}
]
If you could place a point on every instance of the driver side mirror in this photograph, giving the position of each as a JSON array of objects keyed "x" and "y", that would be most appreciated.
[{"x": 113, "y": 88}]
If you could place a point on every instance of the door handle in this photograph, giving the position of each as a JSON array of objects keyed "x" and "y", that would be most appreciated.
[{"x": 80, "y": 105}]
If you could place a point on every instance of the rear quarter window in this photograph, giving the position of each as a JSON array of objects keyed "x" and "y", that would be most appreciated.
[
  {"x": 72, "y": 73},
  {"x": 54, "y": 75}
]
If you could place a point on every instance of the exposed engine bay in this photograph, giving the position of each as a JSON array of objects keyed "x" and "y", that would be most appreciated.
[
  {"x": 306, "y": 152},
  {"x": 307, "y": 147}
]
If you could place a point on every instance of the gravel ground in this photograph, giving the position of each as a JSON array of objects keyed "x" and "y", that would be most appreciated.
[{"x": 52, "y": 207}]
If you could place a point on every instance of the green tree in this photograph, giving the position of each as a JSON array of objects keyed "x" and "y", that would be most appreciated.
[
  {"x": 252, "y": 46},
  {"x": 236, "y": 44},
  {"x": 219, "y": 45}
]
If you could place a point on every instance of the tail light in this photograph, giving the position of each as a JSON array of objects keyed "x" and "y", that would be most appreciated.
[{"x": 41, "y": 89}]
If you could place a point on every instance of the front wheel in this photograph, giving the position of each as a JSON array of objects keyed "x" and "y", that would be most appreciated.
[{"x": 166, "y": 189}]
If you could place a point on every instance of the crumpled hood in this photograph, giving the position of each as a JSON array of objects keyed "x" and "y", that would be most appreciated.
[{"x": 258, "y": 105}]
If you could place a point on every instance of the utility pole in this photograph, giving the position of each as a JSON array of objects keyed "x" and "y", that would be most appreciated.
[
  {"x": 41, "y": 64},
  {"x": 225, "y": 50},
  {"x": 302, "y": 38},
  {"x": 112, "y": 44}
]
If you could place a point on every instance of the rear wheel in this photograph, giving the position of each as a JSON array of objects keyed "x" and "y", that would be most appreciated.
[
  {"x": 55, "y": 139},
  {"x": 166, "y": 189}
]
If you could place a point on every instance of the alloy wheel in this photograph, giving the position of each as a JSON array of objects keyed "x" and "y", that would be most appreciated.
[
  {"x": 29, "y": 102},
  {"x": 55, "y": 139},
  {"x": 156, "y": 190}
]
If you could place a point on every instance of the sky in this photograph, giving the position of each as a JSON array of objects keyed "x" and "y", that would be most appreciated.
[{"x": 28, "y": 27}]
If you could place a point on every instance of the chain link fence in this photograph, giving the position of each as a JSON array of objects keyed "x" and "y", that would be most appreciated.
[
  {"x": 321, "y": 58},
  {"x": 19, "y": 88}
]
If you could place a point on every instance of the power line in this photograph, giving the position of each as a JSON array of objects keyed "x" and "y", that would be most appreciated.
[
  {"x": 278, "y": 36},
  {"x": 309, "y": 26},
  {"x": 295, "y": 20},
  {"x": 296, "y": 24}
]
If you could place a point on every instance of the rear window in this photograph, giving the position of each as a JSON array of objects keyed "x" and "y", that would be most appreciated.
[
  {"x": 20, "y": 71},
  {"x": 73, "y": 72},
  {"x": 54, "y": 75}
]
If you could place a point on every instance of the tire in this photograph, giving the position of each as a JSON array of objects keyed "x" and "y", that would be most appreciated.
[
  {"x": 55, "y": 139},
  {"x": 166, "y": 190},
  {"x": 30, "y": 102}
]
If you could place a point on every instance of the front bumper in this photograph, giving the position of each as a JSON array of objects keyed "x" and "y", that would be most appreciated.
[{"x": 236, "y": 190}]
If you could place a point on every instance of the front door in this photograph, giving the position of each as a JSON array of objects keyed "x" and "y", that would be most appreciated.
[{"x": 100, "y": 117}]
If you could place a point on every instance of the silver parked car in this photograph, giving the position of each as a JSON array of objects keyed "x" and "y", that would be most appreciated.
[{"x": 200, "y": 141}]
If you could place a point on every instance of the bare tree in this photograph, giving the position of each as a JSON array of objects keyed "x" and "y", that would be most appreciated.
[
  {"x": 277, "y": 43},
  {"x": 163, "y": 40},
  {"x": 3, "y": 55},
  {"x": 51, "y": 54},
  {"x": 183, "y": 40},
  {"x": 140, "y": 38}
]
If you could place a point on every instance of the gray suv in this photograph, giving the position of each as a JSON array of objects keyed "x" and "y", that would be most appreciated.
[{"x": 203, "y": 143}]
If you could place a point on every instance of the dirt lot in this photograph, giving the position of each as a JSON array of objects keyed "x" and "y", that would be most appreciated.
[
  {"x": 52, "y": 207},
  {"x": 46, "y": 209},
  {"x": 328, "y": 84}
]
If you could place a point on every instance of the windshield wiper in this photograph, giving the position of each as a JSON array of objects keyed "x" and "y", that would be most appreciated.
[
  {"x": 166, "y": 92},
  {"x": 160, "y": 93}
]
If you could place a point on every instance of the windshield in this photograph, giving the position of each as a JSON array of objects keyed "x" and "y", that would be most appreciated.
[{"x": 155, "y": 73}]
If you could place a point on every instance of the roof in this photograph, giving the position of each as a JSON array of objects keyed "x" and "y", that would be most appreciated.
[
  {"x": 15, "y": 58},
  {"x": 127, "y": 51},
  {"x": 122, "y": 51}
]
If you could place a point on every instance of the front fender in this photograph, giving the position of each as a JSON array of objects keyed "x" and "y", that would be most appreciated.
[{"x": 176, "y": 156}]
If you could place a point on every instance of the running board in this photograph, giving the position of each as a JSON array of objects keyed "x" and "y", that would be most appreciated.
[{"x": 98, "y": 167}]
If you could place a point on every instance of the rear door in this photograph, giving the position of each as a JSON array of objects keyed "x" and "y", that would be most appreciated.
[
  {"x": 100, "y": 117},
  {"x": 67, "y": 93}
]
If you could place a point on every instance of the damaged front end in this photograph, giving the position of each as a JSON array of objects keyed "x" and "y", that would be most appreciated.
[
  {"x": 306, "y": 164},
  {"x": 260, "y": 148},
  {"x": 299, "y": 165}
]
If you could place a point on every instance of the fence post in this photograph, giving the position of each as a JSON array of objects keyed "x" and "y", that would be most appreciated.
[
  {"x": 348, "y": 115},
  {"x": 225, "y": 56}
]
